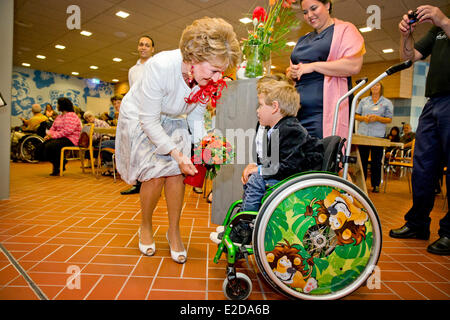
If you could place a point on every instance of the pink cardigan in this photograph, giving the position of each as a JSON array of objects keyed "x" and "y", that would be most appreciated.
[
  {"x": 66, "y": 126},
  {"x": 347, "y": 42}
]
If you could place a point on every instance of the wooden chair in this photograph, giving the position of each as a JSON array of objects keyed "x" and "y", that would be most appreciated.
[
  {"x": 113, "y": 152},
  {"x": 89, "y": 129},
  {"x": 401, "y": 162}
]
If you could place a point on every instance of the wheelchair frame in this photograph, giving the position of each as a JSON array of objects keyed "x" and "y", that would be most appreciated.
[{"x": 238, "y": 286}]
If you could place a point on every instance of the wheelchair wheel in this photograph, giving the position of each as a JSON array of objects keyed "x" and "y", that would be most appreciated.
[
  {"x": 238, "y": 288},
  {"x": 317, "y": 237},
  {"x": 28, "y": 148}
]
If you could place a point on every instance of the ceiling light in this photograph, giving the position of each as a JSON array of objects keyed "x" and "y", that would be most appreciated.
[
  {"x": 86, "y": 33},
  {"x": 272, "y": 67},
  {"x": 41, "y": 57},
  {"x": 115, "y": 80},
  {"x": 365, "y": 29},
  {"x": 117, "y": 59},
  {"x": 75, "y": 73},
  {"x": 291, "y": 43},
  {"x": 26, "y": 64},
  {"x": 93, "y": 67},
  {"x": 122, "y": 14},
  {"x": 60, "y": 47},
  {"x": 245, "y": 20},
  {"x": 388, "y": 50}
]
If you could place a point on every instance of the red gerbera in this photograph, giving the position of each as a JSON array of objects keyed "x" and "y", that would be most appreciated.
[{"x": 260, "y": 14}]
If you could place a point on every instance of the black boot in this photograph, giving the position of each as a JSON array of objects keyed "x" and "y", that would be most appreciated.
[{"x": 440, "y": 247}]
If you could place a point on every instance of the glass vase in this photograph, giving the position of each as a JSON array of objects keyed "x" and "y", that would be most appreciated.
[{"x": 254, "y": 67}]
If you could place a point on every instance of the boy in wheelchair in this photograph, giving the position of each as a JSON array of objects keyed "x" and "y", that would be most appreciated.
[{"x": 290, "y": 150}]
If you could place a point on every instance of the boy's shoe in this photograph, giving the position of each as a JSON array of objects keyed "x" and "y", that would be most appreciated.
[
  {"x": 214, "y": 236},
  {"x": 406, "y": 232},
  {"x": 220, "y": 229}
]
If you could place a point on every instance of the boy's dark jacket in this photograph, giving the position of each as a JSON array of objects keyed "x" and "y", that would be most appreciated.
[{"x": 298, "y": 151}]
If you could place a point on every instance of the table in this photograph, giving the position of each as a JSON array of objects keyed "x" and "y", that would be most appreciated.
[{"x": 356, "y": 170}]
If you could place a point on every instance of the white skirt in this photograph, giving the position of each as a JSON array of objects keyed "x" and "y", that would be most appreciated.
[{"x": 136, "y": 156}]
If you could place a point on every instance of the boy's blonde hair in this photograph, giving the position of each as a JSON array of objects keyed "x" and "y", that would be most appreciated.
[
  {"x": 281, "y": 91},
  {"x": 212, "y": 40}
]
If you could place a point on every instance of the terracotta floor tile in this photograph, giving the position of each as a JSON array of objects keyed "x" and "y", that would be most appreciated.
[
  {"x": 147, "y": 267},
  {"x": 179, "y": 284},
  {"x": 107, "y": 288},
  {"x": 196, "y": 268},
  {"x": 9, "y": 273},
  {"x": 136, "y": 288},
  {"x": 63, "y": 253},
  {"x": 55, "y": 267},
  {"x": 84, "y": 255},
  {"x": 87, "y": 282},
  {"x": 429, "y": 290},
  {"x": 40, "y": 253},
  {"x": 405, "y": 291},
  {"x": 425, "y": 273},
  {"x": 113, "y": 259},
  {"x": 405, "y": 276},
  {"x": 17, "y": 293},
  {"x": 107, "y": 269}
]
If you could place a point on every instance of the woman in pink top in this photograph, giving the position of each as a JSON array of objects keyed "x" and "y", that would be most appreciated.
[
  {"x": 65, "y": 131},
  {"x": 322, "y": 63}
]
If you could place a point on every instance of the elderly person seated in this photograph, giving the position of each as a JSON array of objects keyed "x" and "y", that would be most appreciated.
[
  {"x": 33, "y": 123},
  {"x": 408, "y": 136},
  {"x": 91, "y": 119}
]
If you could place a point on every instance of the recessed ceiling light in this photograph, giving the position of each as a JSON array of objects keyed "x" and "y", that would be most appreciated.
[
  {"x": 365, "y": 29},
  {"x": 60, "y": 47},
  {"x": 93, "y": 67},
  {"x": 115, "y": 80},
  {"x": 245, "y": 20},
  {"x": 388, "y": 50},
  {"x": 41, "y": 57},
  {"x": 122, "y": 14},
  {"x": 86, "y": 33},
  {"x": 75, "y": 73},
  {"x": 291, "y": 43},
  {"x": 26, "y": 64},
  {"x": 117, "y": 59}
]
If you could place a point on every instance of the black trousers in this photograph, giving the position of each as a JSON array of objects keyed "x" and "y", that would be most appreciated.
[
  {"x": 50, "y": 150},
  {"x": 375, "y": 163},
  {"x": 431, "y": 153}
]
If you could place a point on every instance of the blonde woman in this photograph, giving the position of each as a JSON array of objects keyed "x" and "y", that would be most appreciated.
[{"x": 153, "y": 142}]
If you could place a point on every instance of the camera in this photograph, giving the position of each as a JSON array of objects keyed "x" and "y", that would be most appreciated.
[{"x": 412, "y": 17}]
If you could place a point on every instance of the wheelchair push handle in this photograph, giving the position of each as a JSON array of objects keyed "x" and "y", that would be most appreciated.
[
  {"x": 359, "y": 84},
  {"x": 399, "y": 67},
  {"x": 396, "y": 68}
]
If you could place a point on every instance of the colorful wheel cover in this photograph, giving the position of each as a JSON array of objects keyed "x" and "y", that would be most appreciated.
[{"x": 318, "y": 240}]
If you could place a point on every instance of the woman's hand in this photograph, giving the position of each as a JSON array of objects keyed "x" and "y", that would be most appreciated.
[
  {"x": 185, "y": 164},
  {"x": 249, "y": 170},
  {"x": 297, "y": 70}
]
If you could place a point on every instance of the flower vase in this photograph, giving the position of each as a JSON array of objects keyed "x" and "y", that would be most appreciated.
[
  {"x": 267, "y": 65},
  {"x": 254, "y": 67}
]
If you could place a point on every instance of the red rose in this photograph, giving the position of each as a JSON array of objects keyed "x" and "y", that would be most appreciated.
[{"x": 260, "y": 14}]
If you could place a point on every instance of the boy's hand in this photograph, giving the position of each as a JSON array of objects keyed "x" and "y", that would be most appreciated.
[{"x": 249, "y": 170}]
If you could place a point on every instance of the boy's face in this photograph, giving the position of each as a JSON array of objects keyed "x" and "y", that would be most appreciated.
[{"x": 264, "y": 112}]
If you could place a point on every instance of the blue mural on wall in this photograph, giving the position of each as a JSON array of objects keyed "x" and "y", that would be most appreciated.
[{"x": 34, "y": 86}]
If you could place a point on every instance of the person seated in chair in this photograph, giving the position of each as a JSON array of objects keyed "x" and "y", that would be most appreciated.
[
  {"x": 33, "y": 123},
  {"x": 91, "y": 119},
  {"x": 297, "y": 150}
]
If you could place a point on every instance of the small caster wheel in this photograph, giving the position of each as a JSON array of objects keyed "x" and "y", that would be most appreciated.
[{"x": 238, "y": 288}]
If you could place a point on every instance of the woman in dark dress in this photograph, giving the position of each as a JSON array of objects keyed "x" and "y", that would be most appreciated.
[{"x": 322, "y": 63}]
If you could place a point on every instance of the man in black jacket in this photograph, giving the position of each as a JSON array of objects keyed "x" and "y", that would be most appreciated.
[{"x": 292, "y": 149}]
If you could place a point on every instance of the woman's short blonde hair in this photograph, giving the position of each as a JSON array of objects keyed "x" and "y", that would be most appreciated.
[
  {"x": 88, "y": 114},
  {"x": 212, "y": 40},
  {"x": 281, "y": 91}
]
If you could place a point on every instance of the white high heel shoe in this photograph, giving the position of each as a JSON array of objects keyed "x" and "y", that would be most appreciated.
[
  {"x": 176, "y": 255},
  {"x": 145, "y": 247}
]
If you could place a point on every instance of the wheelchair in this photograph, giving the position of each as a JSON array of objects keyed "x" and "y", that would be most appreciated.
[
  {"x": 316, "y": 236},
  {"x": 24, "y": 145}
]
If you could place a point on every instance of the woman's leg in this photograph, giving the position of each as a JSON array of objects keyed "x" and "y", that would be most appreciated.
[
  {"x": 174, "y": 192},
  {"x": 149, "y": 196}
]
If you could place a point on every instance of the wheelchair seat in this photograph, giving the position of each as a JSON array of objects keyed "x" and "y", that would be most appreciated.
[{"x": 332, "y": 146}]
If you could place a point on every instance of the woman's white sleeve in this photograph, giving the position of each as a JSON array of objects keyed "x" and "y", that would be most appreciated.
[{"x": 150, "y": 103}]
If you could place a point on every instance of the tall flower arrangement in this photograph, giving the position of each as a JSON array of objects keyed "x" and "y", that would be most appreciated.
[{"x": 271, "y": 26}]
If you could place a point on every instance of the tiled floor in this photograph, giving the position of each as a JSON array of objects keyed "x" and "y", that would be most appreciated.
[{"x": 58, "y": 226}]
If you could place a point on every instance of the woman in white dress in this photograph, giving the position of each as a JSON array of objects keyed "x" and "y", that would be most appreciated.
[{"x": 153, "y": 142}]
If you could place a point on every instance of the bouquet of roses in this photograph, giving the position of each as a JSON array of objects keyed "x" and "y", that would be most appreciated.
[{"x": 212, "y": 152}]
